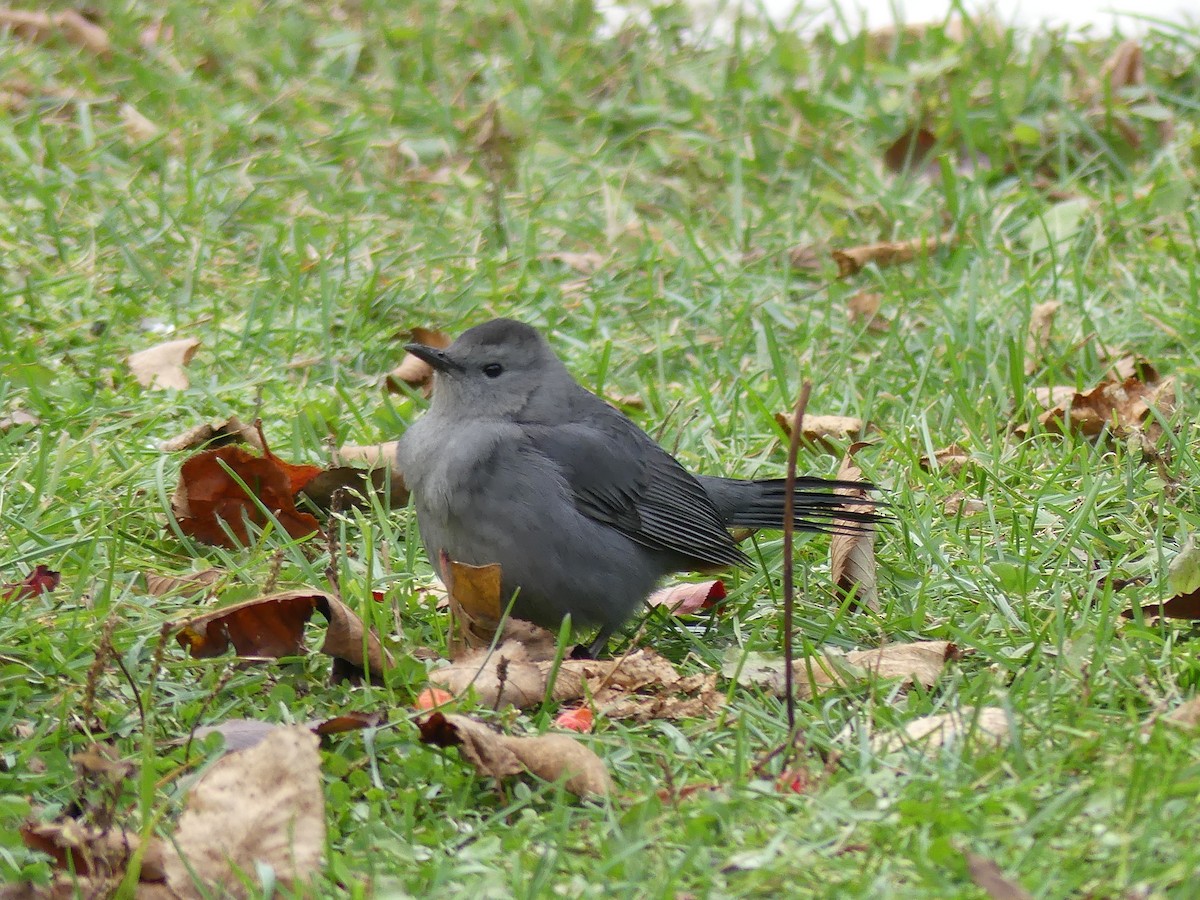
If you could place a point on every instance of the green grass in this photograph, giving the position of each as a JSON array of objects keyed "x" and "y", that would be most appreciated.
[{"x": 317, "y": 187}]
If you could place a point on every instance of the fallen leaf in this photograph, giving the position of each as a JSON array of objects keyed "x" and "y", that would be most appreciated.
[
  {"x": 551, "y": 757},
  {"x": 910, "y": 151},
  {"x": 475, "y": 605},
  {"x": 819, "y": 429},
  {"x": 1125, "y": 67},
  {"x": 242, "y": 734},
  {"x": 887, "y": 253},
  {"x": 578, "y": 719},
  {"x": 17, "y": 418},
  {"x": 40, "y": 581},
  {"x": 806, "y": 258},
  {"x": 1183, "y": 572},
  {"x": 256, "y": 809},
  {"x": 643, "y": 686},
  {"x": 688, "y": 598},
  {"x": 232, "y": 431},
  {"x": 852, "y": 547},
  {"x": 376, "y": 456},
  {"x": 89, "y": 850},
  {"x": 1041, "y": 323},
  {"x": 1122, "y": 404},
  {"x": 357, "y": 485},
  {"x": 1186, "y": 715},
  {"x": 953, "y": 459},
  {"x": 987, "y": 875},
  {"x": 41, "y": 26},
  {"x": 1181, "y": 606},
  {"x": 920, "y": 663},
  {"x": 958, "y": 504},
  {"x": 415, "y": 372},
  {"x": 863, "y": 309},
  {"x": 161, "y": 366},
  {"x": 273, "y": 626},
  {"x": 584, "y": 263},
  {"x": 208, "y": 495},
  {"x": 193, "y": 584},
  {"x": 137, "y": 127},
  {"x": 505, "y": 676},
  {"x": 989, "y": 723}
]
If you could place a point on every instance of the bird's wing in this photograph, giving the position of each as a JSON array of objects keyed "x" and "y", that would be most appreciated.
[{"x": 619, "y": 476}]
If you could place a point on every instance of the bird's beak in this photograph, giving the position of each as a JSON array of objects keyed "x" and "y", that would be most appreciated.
[{"x": 440, "y": 361}]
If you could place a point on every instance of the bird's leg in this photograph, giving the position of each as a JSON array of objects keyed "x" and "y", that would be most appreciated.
[{"x": 596, "y": 647}]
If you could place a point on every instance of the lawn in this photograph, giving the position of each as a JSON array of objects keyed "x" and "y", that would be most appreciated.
[{"x": 295, "y": 185}]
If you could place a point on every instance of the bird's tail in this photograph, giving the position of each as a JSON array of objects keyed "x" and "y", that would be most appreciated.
[{"x": 759, "y": 504}]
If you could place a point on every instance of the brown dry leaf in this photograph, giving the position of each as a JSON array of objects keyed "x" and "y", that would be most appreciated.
[
  {"x": 887, "y": 253},
  {"x": 1121, "y": 404},
  {"x": 503, "y": 677},
  {"x": 376, "y": 456},
  {"x": 1126, "y": 66},
  {"x": 987, "y": 875},
  {"x": 17, "y": 418},
  {"x": 1186, "y": 715},
  {"x": 959, "y": 504},
  {"x": 921, "y": 663},
  {"x": 852, "y": 549},
  {"x": 193, "y": 584},
  {"x": 1181, "y": 606},
  {"x": 1041, "y": 323},
  {"x": 953, "y": 459},
  {"x": 475, "y": 604},
  {"x": 910, "y": 151},
  {"x": 688, "y": 598},
  {"x": 584, "y": 263},
  {"x": 416, "y": 372},
  {"x": 138, "y": 128},
  {"x": 550, "y": 757},
  {"x": 90, "y": 850},
  {"x": 256, "y": 807},
  {"x": 807, "y": 258},
  {"x": 357, "y": 485},
  {"x": 989, "y": 723},
  {"x": 207, "y": 495},
  {"x": 232, "y": 431},
  {"x": 819, "y": 429},
  {"x": 161, "y": 367},
  {"x": 273, "y": 626},
  {"x": 643, "y": 686},
  {"x": 41, "y": 26},
  {"x": 863, "y": 308}
]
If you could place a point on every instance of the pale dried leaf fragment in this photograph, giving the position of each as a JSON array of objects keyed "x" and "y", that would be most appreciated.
[
  {"x": 921, "y": 662},
  {"x": 863, "y": 309},
  {"x": 137, "y": 127},
  {"x": 42, "y": 26},
  {"x": 376, "y": 456},
  {"x": 953, "y": 459},
  {"x": 987, "y": 875},
  {"x": 989, "y": 724},
  {"x": 887, "y": 253},
  {"x": 161, "y": 366},
  {"x": 17, "y": 418},
  {"x": 1186, "y": 715},
  {"x": 852, "y": 548},
  {"x": 643, "y": 686},
  {"x": 959, "y": 504},
  {"x": 505, "y": 676},
  {"x": 688, "y": 598},
  {"x": 413, "y": 371},
  {"x": 1125, "y": 403},
  {"x": 255, "y": 807},
  {"x": 587, "y": 263},
  {"x": 820, "y": 429},
  {"x": 806, "y": 258},
  {"x": 475, "y": 604},
  {"x": 192, "y": 584},
  {"x": 550, "y": 757},
  {"x": 1041, "y": 323}
]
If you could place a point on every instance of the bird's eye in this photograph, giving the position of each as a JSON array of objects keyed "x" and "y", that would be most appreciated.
[{"x": 493, "y": 370}]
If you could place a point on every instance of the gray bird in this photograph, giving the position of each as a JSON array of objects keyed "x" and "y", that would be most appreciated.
[{"x": 516, "y": 463}]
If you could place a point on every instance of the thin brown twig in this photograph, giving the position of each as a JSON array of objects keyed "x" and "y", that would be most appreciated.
[{"x": 789, "y": 533}]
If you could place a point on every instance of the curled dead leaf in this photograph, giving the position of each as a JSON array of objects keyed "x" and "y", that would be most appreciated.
[
  {"x": 1124, "y": 403},
  {"x": 17, "y": 418},
  {"x": 232, "y": 431},
  {"x": 584, "y": 263},
  {"x": 852, "y": 547},
  {"x": 863, "y": 309},
  {"x": 818, "y": 430},
  {"x": 161, "y": 366},
  {"x": 138, "y": 128},
  {"x": 953, "y": 459},
  {"x": 688, "y": 598},
  {"x": 273, "y": 626},
  {"x": 44, "y": 26},
  {"x": 193, "y": 584},
  {"x": 551, "y": 757},
  {"x": 414, "y": 372},
  {"x": 988, "y": 876},
  {"x": 887, "y": 253},
  {"x": 475, "y": 603},
  {"x": 1041, "y": 323}
]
